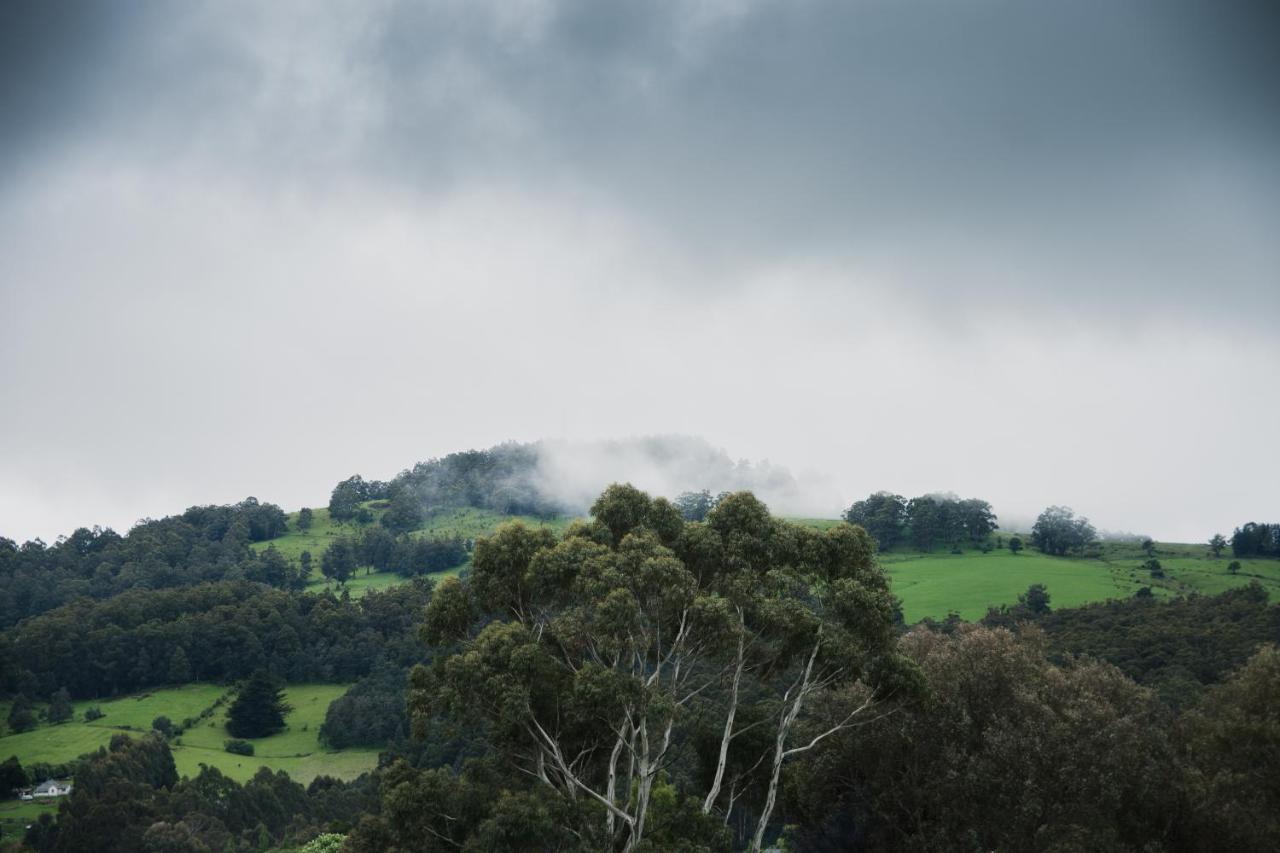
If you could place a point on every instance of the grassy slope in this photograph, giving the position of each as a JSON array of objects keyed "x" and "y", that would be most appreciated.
[
  {"x": 469, "y": 523},
  {"x": 295, "y": 750},
  {"x": 16, "y": 815},
  {"x": 928, "y": 584}
]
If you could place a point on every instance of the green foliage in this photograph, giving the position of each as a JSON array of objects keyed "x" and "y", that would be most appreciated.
[
  {"x": 923, "y": 521},
  {"x": 1057, "y": 531},
  {"x": 1178, "y": 646},
  {"x": 404, "y": 514},
  {"x": 238, "y": 747},
  {"x": 338, "y": 562},
  {"x": 330, "y": 842},
  {"x": 1015, "y": 544},
  {"x": 163, "y": 725},
  {"x": 225, "y": 630},
  {"x": 259, "y": 708},
  {"x": 371, "y": 712},
  {"x": 621, "y": 624},
  {"x": 60, "y": 709},
  {"x": 305, "y": 519},
  {"x": 1233, "y": 745},
  {"x": 92, "y": 713},
  {"x": 1217, "y": 543},
  {"x": 12, "y": 776},
  {"x": 1256, "y": 540},
  {"x": 22, "y": 716},
  {"x": 1009, "y": 752}
]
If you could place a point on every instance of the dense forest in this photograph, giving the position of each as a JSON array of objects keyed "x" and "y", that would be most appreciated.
[{"x": 693, "y": 674}]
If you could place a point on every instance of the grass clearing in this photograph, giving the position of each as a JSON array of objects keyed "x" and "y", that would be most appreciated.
[
  {"x": 16, "y": 815},
  {"x": 296, "y": 750}
]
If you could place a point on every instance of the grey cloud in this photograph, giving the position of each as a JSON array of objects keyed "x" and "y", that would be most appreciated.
[{"x": 253, "y": 247}]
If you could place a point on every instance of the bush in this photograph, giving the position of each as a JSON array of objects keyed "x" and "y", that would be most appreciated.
[
  {"x": 238, "y": 747},
  {"x": 93, "y": 712},
  {"x": 163, "y": 725}
]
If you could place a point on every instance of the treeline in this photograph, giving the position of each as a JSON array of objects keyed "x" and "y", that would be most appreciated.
[
  {"x": 923, "y": 522},
  {"x": 204, "y": 544},
  {"x": 503, "y": 479},
  {"x": 128, "y": 797},
  {"x": 211, "y": 632},
  {"x": 1256, "y": 540}
]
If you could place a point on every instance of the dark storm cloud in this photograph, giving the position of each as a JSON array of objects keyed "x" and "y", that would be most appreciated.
[{"x": 1129, "y": 149}]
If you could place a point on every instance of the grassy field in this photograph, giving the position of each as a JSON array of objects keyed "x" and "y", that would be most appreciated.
[
  {"x": 296, "y": 750},
  {"x": 934, "y": 584},
  {"x": 15, "y": 815}
]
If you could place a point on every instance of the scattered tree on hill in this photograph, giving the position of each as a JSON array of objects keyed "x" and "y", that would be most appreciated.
[
  {"x": 1217, "y": 543},
  {"x": 1233, "y": 567},
  {"x": 259, "y": 708},
  {"x": 1057, "y": 531},
  {"x": 1153, "y": 566},
  {"x": 60, "y": 709},
  {"x": 1035, "y": 599},
  {"x": 338, "y": 562},
  {"x": 93, "y": 712},
  {"x": 404, "y": 514},
  {"x": 1148, "y": 547},
  {"x": 163, "y": 725},
  {"x": 305, "y": 519},
  {"x": 22, "y": 717},
  {"x": 1015, "y": 544},
  {"x": 304, "y": 565}
]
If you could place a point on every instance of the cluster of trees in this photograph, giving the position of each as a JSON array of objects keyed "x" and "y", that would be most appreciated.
[
  {"x": 1256, "y": 540},
  {"x": 128, "y": 797},
  {"x": 371, "y": 713},
  {"x": 206, "y": 543},
  {"x": 923, "y": 522},
  {"x": 1059, "y": 531},
  {"x": 345, "y": 500},
  {"x": 213, "y": 632},
  {"x": 377, "y": 549}
]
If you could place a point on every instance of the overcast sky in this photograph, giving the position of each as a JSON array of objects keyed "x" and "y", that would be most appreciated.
[{"x": 1023, "y": 251}]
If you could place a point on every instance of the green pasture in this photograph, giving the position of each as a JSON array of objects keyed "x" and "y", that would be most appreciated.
[
  {"x": 296, "y": 750},
  {"x": 16, "y": 815}
]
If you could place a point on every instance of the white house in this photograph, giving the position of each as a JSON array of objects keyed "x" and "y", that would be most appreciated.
[{"x": 52, "y": 788}]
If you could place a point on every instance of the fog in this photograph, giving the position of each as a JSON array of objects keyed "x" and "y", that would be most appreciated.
[{"x": 1018, "y": 252}]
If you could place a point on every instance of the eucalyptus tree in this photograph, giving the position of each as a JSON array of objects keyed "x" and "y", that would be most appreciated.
[{"x": 586, "y": 655}]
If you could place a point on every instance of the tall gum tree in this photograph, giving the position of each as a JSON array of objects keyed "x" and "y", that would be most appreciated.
[{"x": 586, "y": 655}]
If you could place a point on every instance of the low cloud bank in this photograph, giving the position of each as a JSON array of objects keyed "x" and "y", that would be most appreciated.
[{"x": 574, "y": 473}]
